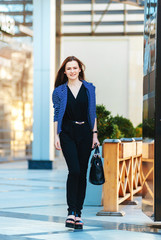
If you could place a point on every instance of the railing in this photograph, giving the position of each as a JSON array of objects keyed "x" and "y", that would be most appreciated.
[{"x": 123, "y": 172}]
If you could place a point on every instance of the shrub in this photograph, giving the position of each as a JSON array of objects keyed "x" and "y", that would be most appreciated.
[
  {"x": 138, "y": 130},
  {"x": 125, "y": 126},
  {"x": 116, "y": 133},
  {"x": 117, "y": 127},
  {"x": 105, "y": 123}
]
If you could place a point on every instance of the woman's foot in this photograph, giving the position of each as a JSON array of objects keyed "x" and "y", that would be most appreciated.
[
  {"x": 70, "y": 221},
  {"x": 78, "y": 223}
]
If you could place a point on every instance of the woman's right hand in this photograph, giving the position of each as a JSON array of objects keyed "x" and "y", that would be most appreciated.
[{"x": 57, "y": 142}]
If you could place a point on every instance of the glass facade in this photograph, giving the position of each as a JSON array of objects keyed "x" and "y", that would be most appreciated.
[
  {"x": 152, "y": 111},
  {"x": 21, "y": 11},
  {"x": 16, "y": 80},
  {"x": 149, "y": 68}
]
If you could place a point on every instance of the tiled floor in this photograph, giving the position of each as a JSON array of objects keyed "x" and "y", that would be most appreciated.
[{"x": 33, "y": 206}]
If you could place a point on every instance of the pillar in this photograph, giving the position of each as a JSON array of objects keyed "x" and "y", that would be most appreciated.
[{"x": 44, "y": 73}]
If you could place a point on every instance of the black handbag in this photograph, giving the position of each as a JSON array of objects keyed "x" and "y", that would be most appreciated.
[{"x": 96, "y": 174}]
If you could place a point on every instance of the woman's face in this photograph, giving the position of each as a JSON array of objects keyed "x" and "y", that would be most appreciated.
[{"x": 72, "y": 70}]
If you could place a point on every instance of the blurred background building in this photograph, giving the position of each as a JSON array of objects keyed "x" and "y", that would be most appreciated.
[
  {"x": 16, "y": 81},
  {"x": 106, "y": 35}
]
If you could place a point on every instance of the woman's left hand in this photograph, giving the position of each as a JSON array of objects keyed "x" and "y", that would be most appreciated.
[{"x": 95, "y": 141}]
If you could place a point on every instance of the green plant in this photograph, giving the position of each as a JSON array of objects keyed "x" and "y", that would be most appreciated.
[
  {"x": 116, "y": 133},
  {"x": 138, "y": 130},
  {"x": 118, "y": 126},
  {"x": 125, "y": 126},
  {"x": 105, "y": 123}
]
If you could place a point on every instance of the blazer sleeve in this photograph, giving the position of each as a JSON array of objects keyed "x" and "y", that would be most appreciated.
[
  {"x": 56, "y": 104},
  {"x": 94, "y": 91}
]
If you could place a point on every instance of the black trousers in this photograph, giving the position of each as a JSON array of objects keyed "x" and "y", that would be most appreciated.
[{"x": 76, "y": 144}]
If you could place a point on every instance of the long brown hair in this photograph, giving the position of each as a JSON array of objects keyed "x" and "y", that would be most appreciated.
[{"x": 61, "y": 78}]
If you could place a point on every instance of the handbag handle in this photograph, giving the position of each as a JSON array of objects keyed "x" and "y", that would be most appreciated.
[{"x": 97, "y": 151}]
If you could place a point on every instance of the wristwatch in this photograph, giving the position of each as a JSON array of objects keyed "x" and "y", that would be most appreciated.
[{"x": 95, "y": 131}]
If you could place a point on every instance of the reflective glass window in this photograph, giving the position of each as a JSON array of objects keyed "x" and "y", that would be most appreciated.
[{"x": 29, "y": 7}]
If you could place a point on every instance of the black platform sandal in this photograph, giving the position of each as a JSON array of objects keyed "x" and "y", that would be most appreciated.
[
  {"x": 78, "y": 223},
  {"x": 70, "y": 222}
]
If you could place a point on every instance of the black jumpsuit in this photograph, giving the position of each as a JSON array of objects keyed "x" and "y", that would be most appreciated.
[{"x": 76, "y": 144}]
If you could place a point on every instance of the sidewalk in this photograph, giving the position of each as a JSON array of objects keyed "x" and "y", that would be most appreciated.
[{"x": 33, "y": 206}]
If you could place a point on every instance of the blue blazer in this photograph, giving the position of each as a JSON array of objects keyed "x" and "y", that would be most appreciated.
[{"x": 59, "y": 98}]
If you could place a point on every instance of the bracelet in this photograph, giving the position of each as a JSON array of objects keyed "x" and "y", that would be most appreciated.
[{"x": 95, "y": 131}]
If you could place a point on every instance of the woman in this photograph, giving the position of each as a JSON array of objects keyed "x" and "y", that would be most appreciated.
[{"x": 75, "y": 131}]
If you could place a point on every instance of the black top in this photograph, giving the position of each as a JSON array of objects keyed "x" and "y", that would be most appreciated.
[{"x": 77, "y": 108}]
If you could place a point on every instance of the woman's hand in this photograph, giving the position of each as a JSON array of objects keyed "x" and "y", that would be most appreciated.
[
  {"x": 57, "y": 142},
  {"x": 95, "y": 141}
]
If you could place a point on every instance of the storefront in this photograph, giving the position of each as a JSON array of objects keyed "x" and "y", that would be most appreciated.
[{"x": 16, "y": 80}]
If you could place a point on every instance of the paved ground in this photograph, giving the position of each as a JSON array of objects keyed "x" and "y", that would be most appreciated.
[{"x": 33, "y": 206}]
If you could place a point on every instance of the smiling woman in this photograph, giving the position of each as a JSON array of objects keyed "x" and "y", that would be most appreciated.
[
  {"x": 75, "y": 131},
  {"x": 61, "y": 75},
  {"x": 72, "y": 71}
]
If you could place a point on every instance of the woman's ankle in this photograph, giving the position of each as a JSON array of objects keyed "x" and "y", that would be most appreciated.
[
  {"x": 78, "y": 214},
  {"x": 71, "y": 213}
]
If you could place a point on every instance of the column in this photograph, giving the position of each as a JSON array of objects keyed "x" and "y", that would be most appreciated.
[{"x": 44, "y": 18}]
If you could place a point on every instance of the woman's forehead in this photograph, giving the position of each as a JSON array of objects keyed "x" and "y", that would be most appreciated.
[{"x": 72, "y": 63}]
